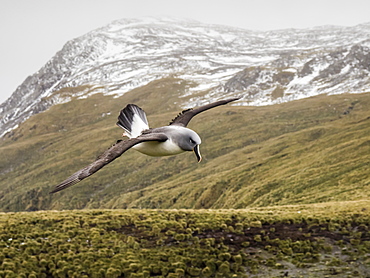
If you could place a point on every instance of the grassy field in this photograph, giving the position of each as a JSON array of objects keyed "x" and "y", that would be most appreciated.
[{"x": 321, "y": 240}]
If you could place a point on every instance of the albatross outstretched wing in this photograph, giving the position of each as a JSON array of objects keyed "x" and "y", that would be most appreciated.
[
  {"x": 185, "y": 116},
  {"x": 107, "y": 157}
]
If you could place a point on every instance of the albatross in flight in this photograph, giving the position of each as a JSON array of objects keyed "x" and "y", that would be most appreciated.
[{"x": 162, "y": 141}]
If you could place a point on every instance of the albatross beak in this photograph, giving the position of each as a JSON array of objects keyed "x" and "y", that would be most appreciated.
[{"x": 197, "y": 153}]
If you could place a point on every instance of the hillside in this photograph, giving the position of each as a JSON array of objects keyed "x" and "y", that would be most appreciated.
[{"x": 306, "y": 151}]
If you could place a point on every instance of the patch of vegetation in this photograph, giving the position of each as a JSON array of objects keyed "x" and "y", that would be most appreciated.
[{"x": 324, "y": 240}]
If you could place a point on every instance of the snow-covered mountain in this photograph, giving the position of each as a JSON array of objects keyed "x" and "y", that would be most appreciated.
[{"x": 262, "y": 67}]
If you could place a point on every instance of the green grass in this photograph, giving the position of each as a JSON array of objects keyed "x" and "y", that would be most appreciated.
[
  {"x": 307, "y": 151},
  {"x": 323, "y": 240}
]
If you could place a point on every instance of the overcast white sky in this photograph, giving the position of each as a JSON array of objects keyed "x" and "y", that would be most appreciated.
[{"x": 32, "y": 31}]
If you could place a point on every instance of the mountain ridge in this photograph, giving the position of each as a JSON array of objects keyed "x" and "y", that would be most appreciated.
[{"x": 263, "y": 67}]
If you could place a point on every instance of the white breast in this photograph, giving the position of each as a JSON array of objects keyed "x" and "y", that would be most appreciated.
[{"x": 158, "y": 148}]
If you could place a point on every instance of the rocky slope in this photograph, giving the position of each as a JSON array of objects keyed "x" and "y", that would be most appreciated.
[{"x": 263, "y": 67}]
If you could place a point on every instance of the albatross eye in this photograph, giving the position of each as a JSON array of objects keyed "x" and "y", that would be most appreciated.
[{"x": 192, "y": 141}]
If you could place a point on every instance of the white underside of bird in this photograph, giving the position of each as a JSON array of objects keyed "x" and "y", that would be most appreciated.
[{"x": 169, "y": 147}]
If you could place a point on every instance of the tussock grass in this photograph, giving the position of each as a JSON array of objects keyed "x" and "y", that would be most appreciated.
[{"x": 321, "y": 240}]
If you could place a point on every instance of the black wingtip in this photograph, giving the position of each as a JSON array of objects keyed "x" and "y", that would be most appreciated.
[
  {"x": 233, "y": 99},
  {"x": 54, "y": 191},
  {"x": 65, "y": 184},
  {"x": 226, "y": 101},
  {"x": 185, "y": 116},
  {"x": 57, "y": 189}
]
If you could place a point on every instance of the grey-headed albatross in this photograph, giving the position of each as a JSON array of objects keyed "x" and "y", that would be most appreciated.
[{"x": 162, "y": 141}]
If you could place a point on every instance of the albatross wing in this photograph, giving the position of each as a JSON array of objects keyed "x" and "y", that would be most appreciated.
[
  {"x": 185, "y": 116},
  {"x": 107, "y": 157}
]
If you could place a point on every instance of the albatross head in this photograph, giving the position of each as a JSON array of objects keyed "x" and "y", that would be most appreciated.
[{"x": 189, "y": 140}]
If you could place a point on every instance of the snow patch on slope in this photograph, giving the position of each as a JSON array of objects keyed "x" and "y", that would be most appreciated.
[{"x": 262, "y": 67}]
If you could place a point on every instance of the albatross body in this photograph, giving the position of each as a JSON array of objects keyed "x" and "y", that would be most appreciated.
[
  {"x": 172, "y": 145},
  {"x": 168, "y": 140}
]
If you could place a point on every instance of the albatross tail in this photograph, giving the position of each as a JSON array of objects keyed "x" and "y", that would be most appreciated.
[{"x": 133, "y": 120}]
